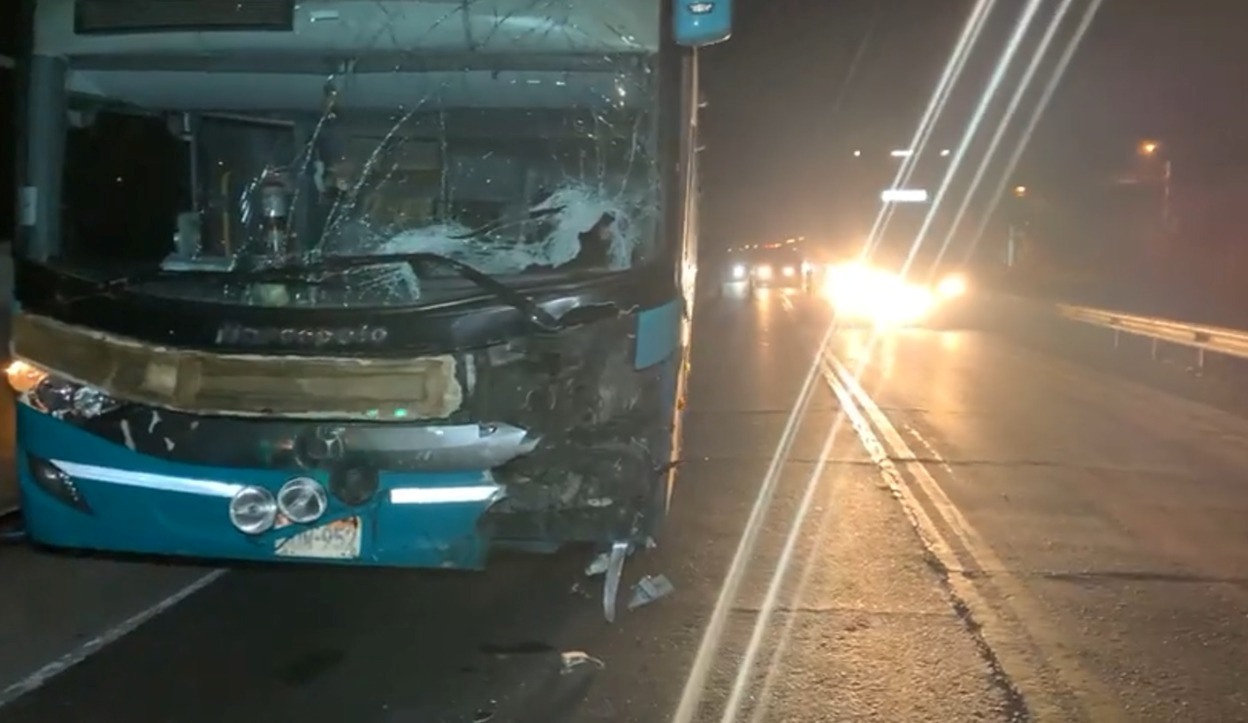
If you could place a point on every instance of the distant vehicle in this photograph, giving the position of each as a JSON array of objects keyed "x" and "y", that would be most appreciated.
[{"x": 779, "y": 266}]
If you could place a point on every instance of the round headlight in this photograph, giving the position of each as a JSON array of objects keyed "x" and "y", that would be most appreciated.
[
  {"x": 302, "y": 500},
  {"x": 253, "y": 510}
]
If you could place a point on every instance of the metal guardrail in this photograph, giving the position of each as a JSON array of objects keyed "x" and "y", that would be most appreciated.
[{"x": 1201, "y": 337}]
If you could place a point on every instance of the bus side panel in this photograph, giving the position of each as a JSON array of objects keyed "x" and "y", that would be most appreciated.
[{"x": 662, "y": 338}]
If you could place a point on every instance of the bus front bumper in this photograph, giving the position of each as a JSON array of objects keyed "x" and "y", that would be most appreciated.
[{"x": 105, "y": 496}]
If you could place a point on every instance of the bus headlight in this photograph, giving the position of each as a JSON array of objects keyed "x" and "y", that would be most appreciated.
[
  {"x": 738, "y": 272},
  {"x": 253, "y": 510},
  {"x": 23, "y": 377},
  {"x": 302, "y": 500},
  {"x": 52, "y": 394},
  {"x": 951, "y": 287}
]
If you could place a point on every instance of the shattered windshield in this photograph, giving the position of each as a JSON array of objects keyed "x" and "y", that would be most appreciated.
[{"x": 522, "y": 167}]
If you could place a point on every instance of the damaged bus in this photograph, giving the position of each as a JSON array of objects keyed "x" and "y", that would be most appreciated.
[{"x": 383, "y": 282}]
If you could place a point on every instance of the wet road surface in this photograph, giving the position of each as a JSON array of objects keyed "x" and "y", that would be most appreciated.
[{"x": 995, "y": 533}]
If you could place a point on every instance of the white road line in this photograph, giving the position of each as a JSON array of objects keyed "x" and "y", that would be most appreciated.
[
  {"x": 1032, "y": 654},
  {"x": 43, "y": 675},
  {"x": 700, "y": 671}
]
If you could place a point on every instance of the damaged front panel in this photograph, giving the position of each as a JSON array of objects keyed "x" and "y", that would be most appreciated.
[
  {"x": 398, "y": 249},
  {"x": 605, "y": 438},
  {"x": 577, "y": 437},
  {"x": 238, "y": 385}
]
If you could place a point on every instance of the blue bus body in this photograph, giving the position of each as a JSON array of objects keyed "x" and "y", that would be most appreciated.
[
  {"x": 215, "y": 406},
  {"x": 109, "y": 495}
]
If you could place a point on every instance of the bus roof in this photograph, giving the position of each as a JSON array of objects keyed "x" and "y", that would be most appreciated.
[
  {"x": 276, "y": 54},
  {"x": 345, "y": 27}
]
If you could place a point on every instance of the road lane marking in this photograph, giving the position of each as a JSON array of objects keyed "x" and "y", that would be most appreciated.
[
  {"x": 45, "y": 674},
  {"x": 1031, "y": 654},
  {"x": 700, "y": 671}
]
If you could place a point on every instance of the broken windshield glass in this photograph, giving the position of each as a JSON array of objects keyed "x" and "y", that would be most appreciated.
[{"x": 520, "y": 165}]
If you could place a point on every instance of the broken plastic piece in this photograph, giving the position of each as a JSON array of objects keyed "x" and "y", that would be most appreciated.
[
  {"x": 602, "y": 561},
  {"x": 611, "y": 586},
  {"x": 574, "y": 659},
  {"x": 598, "y": 565},
  {"x": 650, "y": 588}
]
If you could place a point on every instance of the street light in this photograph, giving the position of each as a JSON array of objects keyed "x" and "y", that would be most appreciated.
[
  {"x": 1020, "y": 191},
  {"x": 1149, "y": 149}
]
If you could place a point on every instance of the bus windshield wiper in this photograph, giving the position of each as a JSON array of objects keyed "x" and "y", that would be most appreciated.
[
  {"x": 504, "y": 293},
  {"x": 533, "y": 312}
]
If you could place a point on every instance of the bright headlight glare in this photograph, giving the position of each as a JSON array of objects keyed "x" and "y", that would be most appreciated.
[
  {"x": 861, "y": 292},
  {"x": 253, "y": 510},
  {"x": 738, "y": 272},
  {"x": 789, "y": 271},
  {"x": 764, "y": 272},
  {"x": 951, "y": 286},
  {"x": 302, "y": 500}
]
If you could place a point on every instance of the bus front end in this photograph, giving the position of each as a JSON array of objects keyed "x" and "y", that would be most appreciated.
[{"x": 349, "y": 281}]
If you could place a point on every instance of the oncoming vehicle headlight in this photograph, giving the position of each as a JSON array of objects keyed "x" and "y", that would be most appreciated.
[
  {"x": 763, "y": 272},
  {"x": 789, "y": 271},
  {"x": 858, "y": 291},
  {"x": 738, "y": 271},
  {"x": 951, "y": 286}
]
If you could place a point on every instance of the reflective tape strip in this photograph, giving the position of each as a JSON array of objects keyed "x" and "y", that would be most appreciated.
[
  {"x": 148, "y": 480},
  {"x": 443, "y": 495}
]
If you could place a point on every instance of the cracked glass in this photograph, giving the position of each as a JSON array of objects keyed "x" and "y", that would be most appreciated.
[{"x": 518, "y": 137}]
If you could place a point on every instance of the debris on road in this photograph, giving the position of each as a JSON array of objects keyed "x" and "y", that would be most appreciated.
[
  {"x": 574, "y": 659},
  {"x": 611, "y": 564},
  {"x": 649, "y": 589},
  {"x": 611, "y": 585},
  {"x": 602, "y": 561}
]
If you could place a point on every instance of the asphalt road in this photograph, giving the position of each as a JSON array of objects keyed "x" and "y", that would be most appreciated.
[{"x": 994, "y": 533}]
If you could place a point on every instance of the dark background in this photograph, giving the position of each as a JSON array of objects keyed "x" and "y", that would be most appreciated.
[{"x": 8, "y": 49}]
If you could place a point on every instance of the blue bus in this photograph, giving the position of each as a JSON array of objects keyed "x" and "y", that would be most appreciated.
[{"x": 384, "y": 283}]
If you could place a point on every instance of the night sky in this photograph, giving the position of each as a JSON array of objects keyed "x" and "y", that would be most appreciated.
[{"x": 782, "y": 116}]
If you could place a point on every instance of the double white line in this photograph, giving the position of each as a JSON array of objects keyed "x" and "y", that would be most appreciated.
[{"x": 1015, "y": 628}]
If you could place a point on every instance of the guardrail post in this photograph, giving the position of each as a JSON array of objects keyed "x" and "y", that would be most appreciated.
[{"x": 1201, "y": 337}]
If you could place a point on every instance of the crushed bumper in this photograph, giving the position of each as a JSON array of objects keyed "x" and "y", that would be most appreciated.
[{"x": 131, "y": 502}]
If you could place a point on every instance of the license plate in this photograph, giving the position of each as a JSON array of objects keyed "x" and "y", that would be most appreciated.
[{"x": 338, "y": 540}]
